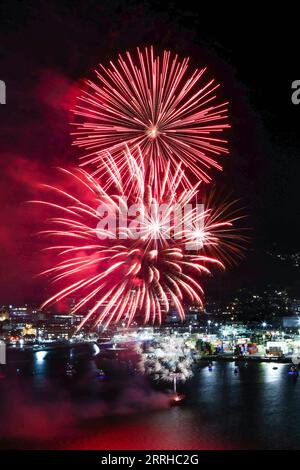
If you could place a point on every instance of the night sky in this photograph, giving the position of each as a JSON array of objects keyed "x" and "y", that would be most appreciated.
[{"x": 47, "y": 48}]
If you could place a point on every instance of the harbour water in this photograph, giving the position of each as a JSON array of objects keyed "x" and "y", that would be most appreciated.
[{"x": 248, "y": 406}]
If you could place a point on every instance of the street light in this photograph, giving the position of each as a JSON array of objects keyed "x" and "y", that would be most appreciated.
[{"x": 209, "y": 322}]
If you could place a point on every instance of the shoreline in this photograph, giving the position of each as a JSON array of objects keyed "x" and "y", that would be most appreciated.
[{"x": 244, "y": 359}]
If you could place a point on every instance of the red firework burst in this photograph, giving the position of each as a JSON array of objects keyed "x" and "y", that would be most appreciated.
[
  {"x": 147, "y": 265},
  {"x": 152, "y": 102}
]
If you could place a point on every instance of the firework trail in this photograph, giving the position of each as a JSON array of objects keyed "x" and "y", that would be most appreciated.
[
  {"x": 153, "y": 103},
  {"x": 145, "y": 266}
]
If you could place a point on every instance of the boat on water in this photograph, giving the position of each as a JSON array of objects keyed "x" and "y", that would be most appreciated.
[
  {"x": 293, "y": 370},
  {"x": 100, "y": 374},
  {"x": 70, "y": 370},
  {"x": 176, "y": 399}
]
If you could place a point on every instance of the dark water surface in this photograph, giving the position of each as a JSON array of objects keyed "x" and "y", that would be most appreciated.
[{"x": 41, "y": 407}]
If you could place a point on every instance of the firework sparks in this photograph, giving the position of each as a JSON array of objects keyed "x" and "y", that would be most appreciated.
[
  {"x": 168, "y": 359},
  {"x": 153, "y": 103},
  {"x": 144, "y": 267}
]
